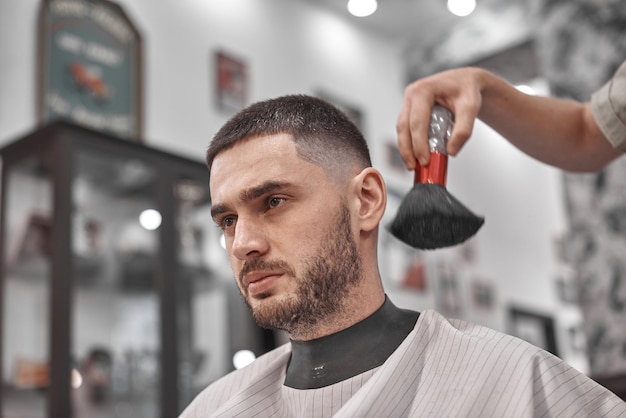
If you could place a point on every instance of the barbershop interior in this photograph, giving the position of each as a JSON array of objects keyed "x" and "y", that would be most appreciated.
[{"x": 117, "y": 297}]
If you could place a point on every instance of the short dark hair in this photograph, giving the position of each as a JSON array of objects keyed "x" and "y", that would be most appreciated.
[{"x": 323, "y": 134}]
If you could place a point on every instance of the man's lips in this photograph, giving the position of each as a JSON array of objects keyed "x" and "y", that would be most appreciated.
[{"x": 260, "y": 281}]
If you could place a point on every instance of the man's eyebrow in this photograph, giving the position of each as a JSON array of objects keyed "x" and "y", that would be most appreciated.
[
  {"x": 250, "y": 194},
  {"x": 217, "y": 210},
  {"x": 260, "y": 190}
]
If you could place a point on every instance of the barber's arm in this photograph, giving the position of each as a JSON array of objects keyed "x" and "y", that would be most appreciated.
[{"x": 562, "y": 133}]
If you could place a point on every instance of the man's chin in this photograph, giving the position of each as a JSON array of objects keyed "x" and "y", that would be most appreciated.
[
  {"x": 260, "y": 301},
  {"x": 272, "y": 311}
]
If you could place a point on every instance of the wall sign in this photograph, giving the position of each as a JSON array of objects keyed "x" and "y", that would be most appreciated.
[
  {"x": 232, "y": 82},
  {"x": 90, "y": 66}
]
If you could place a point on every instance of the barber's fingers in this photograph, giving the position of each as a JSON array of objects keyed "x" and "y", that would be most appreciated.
[
  {"x": 412, "y": 130},
  {"x": 465, "y": 113},
  {"x": 456, "y": 90},
  {"x": 413, "y": 123}
]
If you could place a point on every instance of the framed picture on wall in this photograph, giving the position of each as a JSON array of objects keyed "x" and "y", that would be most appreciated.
[
  {"x": 231, "y": 82},
  {"x": 394, "y": 159},
  {"x": 483, "y": 293},
  {"x": 397, "y": 176},
  {"x": 449, "y": 292},
  {"x": 396, "y": 260},
  {"x": 534, "y": 327}
]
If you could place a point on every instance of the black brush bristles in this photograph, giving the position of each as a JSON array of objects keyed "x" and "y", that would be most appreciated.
[{"x": 429, "y": 217}]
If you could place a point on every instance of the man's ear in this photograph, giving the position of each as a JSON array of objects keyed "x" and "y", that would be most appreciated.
[{"x": 371, "y": 195}]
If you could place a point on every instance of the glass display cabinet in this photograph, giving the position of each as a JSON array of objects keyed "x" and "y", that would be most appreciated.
[{"x": 116, "y": 297}]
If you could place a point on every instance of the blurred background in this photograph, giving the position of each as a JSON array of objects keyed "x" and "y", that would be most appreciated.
[{"x": 117, "y": 298}]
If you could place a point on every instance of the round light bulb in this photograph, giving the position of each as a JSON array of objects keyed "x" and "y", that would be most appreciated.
[
  {"x": 77, "y": 379},
  {"x": 362, "y": 8},
  {"x": 461, "y": 7},
  {"x": 150, "y": 219},
  {"x": 242, "y": 358}
]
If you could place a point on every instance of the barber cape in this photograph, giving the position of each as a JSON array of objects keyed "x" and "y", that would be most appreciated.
[{"x": 443, "y": 368}]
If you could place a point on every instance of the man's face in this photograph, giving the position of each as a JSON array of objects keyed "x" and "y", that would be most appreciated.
[{"x": 288, "y": 232}]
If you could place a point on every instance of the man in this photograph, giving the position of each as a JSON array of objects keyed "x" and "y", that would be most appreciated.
[
  {"x": 299, "y": 203},
  {"x": 563, "y": 133}
]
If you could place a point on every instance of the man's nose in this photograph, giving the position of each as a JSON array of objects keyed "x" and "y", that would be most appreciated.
[{"x": 249, "y": 240}]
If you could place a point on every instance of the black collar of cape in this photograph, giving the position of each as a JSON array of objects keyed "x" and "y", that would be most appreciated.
[{"x": 350, "y": 352}]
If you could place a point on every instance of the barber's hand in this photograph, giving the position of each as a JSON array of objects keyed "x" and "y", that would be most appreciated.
[{"x": 458, "y": 90}]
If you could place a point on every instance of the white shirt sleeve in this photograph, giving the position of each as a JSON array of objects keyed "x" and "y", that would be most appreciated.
[{"x": 608, "y": 105}]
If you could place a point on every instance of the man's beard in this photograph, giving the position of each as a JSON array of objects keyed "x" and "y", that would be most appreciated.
[{"x": 322, "y": 286}]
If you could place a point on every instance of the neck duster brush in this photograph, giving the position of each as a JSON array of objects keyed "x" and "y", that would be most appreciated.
[{"x": 429, "y": 217}]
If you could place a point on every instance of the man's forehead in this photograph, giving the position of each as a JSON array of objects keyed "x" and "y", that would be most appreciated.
[
  {"x": 250, "y": 152},
  {"x": 252, "y": 148},
  {"x": 255, "y": 161}
]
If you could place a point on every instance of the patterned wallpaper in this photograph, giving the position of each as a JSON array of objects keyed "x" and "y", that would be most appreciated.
[{"x": 580, "y": 44}]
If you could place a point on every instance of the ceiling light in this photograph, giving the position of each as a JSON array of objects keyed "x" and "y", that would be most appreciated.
[
  {"x": 362, "y": 8},
  {"x": 461, "y": 7}
]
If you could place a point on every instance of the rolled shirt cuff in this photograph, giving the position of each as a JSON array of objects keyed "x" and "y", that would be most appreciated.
[{"x": 608, "y": 105}]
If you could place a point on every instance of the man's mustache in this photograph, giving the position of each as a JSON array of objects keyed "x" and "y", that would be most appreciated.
[{"x": 265, "y": 265}]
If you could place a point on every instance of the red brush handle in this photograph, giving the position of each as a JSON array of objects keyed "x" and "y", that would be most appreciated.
[
  {"x": 435, "y": 172},
  {"x": 439, "y": 131}
]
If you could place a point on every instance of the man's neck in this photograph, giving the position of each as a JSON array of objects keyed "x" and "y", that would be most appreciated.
[{"x": 352, "y": 351}]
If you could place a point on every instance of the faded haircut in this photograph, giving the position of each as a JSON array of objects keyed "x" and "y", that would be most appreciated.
[{"x": 323, "y": 134}]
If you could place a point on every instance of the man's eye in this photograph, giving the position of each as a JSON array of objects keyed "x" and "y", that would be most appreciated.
[
  {"x": 227, "y": 222},
  {"x": 275, "y": 201}
]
